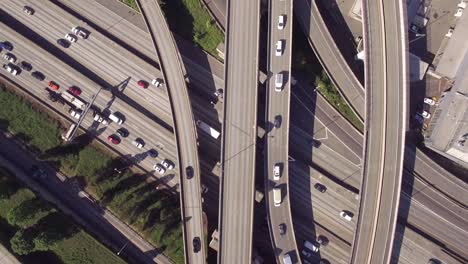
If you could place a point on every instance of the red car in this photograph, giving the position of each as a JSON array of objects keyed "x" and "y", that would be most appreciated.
[
  {"x": 114, "y": 139},
  {"x": 143, "y": 84},
  {"x": 53, "y": 85},
  {"x": 74, "y": 90}
]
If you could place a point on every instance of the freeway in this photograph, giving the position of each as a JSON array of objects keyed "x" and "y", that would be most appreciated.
[
  {"x": 185, "y": 132},
  {"x": 239, "y": 133},
  {"x": 329, "y": 55},
  {"x": 97, "y": 220},
  {"x": 277, "y": 141},
  {"x": 386, "y": 80}
]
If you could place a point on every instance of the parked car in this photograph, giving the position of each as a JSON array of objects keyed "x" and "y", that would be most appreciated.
[
  {"x": 156, "y": 82},
  {"x": 429, "y": 101},
  {"x": 114, "y": 139},
  {"x": 189, "y": 172},
  {"x": 12, "y": 69},
  {"x": 196, "y": 243},
  {"x": 123, "y": 132},
  {"x": 70, "y": 37},
  {"x": 9, "y": 57},
  {"x": 38, "y": 76},
  {"x": 53, "y": 85},
  {"x": 168, "y": 164},
  {"x": 74, "y": 90},
  {"x": 320, "y": 187},
  {"x": 282, "y": 228},
  {"x": 281, "y": 20},
  {"x": 159, "y": 169},
  {"x": 80, "y": 32},
  {"x": 153, "y": 153},
  {"x": 28, "y": 10},
  {"x": 139, "y": 143},
  {"x": 63, "y": 42},
  {"x": 348, "y": 216},
  {"x": 6, "y": 45},
  {"x": 26, "y": 66},
  {"x": 142, "y": 84}
]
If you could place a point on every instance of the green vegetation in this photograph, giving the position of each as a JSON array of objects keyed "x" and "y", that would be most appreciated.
[
  {"x": 191, "y": 20},
  {"x": 305, "y": 61},
  {"x": 35, "y": 226},
  {"x": 154, "y": 213},
  {"x": 20, "y": 118}
]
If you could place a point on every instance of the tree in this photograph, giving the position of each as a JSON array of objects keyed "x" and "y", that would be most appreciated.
[
  {"x": 21, "y": 242},
  {"x": 28, "y": 213}
]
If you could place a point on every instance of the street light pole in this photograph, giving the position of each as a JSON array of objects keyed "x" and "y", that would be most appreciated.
[{"x": 120, "y": 251}]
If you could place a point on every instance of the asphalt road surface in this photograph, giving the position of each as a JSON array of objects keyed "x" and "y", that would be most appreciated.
[
  {"x": 277, "y": 128},
  {"x": 96, "y": 219},
  {"x": 386, "y": 82},
  {"x": 238, "y": 145}
]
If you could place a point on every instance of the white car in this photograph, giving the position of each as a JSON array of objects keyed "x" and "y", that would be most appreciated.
[
  {"x": 167, "y": 164},
  {"x": 279, "y": 82},
  {"x": 139, "y": 143},
  {"x": 9, "y": 57},
  {"x": 80, "y": 32},
  {"x": 11, "y": 69},
  {"x": 449, "y": 32},
  {"x": 429, "y": 101},
  {"x": 156, "y": 82},
  {"x": 159, "y": 169},
  {"x": 276, "y": 172},
  {"x": 70, "y": 37},
  {"x": 279, "y": 48},
  {"x": 346, "y": 216},
  {"x": 75, "y": 113},
  {"x": 281, "y": 19},
  {"x": 426, "y": 114}
]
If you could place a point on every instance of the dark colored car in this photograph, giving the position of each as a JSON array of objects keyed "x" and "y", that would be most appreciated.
[
  {"x": 123, "y": 132},
  {"x": 322, "y": 240},
  {"x": 28, "y": 10},
  {"x": 320, "y": 187},
  {"x": 324, "y": 261},
  {"x": 314, "y": 143},
  {"x": 114, "y": 139},
  {"x": 153, "y": 153},
  {"x": 37, "y": 172},
  {"x": 143, "y": 84},
  {"x": 189, "y": 172},
  {"x": 38, "y": 75},
  {"x": 6, "y": 45},
  {"x": 74, "y": 90},
  {"x": 26, "y": 66},
  {"x": 282, "y": 228},
  {"x": 278, "y": 121},
  {"x": 63, "y": 42},
  {"x": 196, "y": 244}
]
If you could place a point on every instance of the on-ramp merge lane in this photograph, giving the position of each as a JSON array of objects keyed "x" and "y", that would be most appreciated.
[
  {"x": 238, "y": 145},
  {"x": 185, "y": 133},
  {"x": 385, "y": 44},
  {"x": 277, "y": 141}
]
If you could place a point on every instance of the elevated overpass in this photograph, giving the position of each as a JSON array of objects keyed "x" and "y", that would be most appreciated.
[
  {"x": 386, "y": 80},
  {"x": 184, "y": 130},
  {"x": 277, "y": 139},
  {"x": 239, "y": 132},
  {"x": 329, "y": 55}
]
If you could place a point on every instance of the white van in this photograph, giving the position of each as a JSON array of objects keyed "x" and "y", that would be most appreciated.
[
  {"x": 278, "y": 82},
  {"x": 116, "y": 119},
  {"x": 277, "y": 196},
  {"x": 287, "y": 259},
  {"x": 281, "y": 22}
]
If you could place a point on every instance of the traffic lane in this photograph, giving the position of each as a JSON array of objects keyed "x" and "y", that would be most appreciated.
[
  {"x": 325, "y": 49},
  {"x": 237, "y": 190},
  {"x": 153, "y": 137},
  {"x": 120, "y": 65},
  {"x": 128, "y": 26},
  {"x": 100, "y": 222}
]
